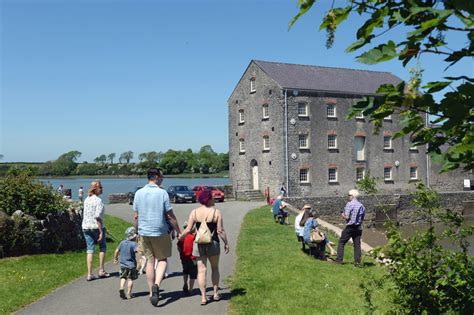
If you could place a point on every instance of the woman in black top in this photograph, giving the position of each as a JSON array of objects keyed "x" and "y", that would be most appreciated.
[{"x": 203, "y": 252}]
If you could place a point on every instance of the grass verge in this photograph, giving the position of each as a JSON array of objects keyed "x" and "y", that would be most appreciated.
[
  {"x": 274, "y": 276},
  {"x": 27, "y": 278}
]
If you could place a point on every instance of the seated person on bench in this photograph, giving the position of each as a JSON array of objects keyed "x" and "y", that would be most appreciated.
[
  {"x": 309, "y": 222},
  {"x": 277, "y": 210},
  {"x": 299, "y": 229}
]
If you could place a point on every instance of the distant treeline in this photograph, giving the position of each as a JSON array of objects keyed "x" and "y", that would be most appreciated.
[{"x": 172, "y": 162}]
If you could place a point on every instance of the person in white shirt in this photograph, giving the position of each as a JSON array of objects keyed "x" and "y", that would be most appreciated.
[{"x": 300, "y": 229}]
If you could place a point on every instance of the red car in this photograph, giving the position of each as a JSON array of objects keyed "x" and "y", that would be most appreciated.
[{"x": 217, "y": 194}]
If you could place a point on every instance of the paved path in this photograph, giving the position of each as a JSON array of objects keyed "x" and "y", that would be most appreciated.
[{"x": 101, "y": 296}]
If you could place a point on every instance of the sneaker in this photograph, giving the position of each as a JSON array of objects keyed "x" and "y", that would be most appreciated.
[
  {"x": 154, "y": 298},
  {"x": 122, "y": 294}
]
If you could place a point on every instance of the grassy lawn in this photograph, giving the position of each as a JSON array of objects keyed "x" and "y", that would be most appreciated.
[
  {"x": 274, "y": 276},
  {"x": 27, "y": 278}
]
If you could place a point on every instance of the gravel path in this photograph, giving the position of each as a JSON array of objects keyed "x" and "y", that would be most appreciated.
[{"x": 101, "y": 296}]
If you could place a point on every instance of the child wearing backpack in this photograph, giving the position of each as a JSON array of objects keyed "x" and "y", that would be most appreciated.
[
  {"x": 185, "y": 248},
  {"x": 128, "y": 262}
]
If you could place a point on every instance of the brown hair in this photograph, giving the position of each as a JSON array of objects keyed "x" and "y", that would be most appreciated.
[
  {"x": 94, "y": 188},
  {"x": 306, "y": 216}
]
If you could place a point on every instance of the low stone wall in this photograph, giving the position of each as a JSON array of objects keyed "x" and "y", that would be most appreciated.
[
  {"x": 23, "y": 234},
  {"x": 331, "y": 207},
  {"x": 119, "y": 198}
]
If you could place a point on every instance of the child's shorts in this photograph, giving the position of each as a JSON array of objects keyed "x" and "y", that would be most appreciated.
[
  {"x": 128, "y": 273},
  {"x": 189, "y": 268}
]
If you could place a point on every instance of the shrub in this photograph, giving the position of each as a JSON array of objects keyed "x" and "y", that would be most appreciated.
[{"x": 23, "y": 193}]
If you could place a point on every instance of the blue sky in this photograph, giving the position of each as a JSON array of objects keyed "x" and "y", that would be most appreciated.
[{"x": 110, "y": 76}]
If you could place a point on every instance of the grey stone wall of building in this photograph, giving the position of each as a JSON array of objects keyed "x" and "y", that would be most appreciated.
[
  {"x": 271, "y": 165},
  {"x": 450, "y": 181},
  {"x": 330, "y": 208},
  {"x": 318, "y": 158}
]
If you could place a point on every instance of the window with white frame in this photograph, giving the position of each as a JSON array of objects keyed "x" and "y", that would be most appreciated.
[
  {"x": 389, "y": 117},
  {"x": 252, "y": 85},
  {"x": 413, "y": 172},
  {"x": 266, "y": 143},
  {"x": 387, "y": 142},
  {"x": 413, "y": 147},
  {"x": 302, "y": 110},
  {"x": 304, "y": 175},
  {"x": 241, "y": 116},
  {"x": 387, "y": 173},
  {"x": 332, "y": 142},
  {"x": 303, "y": 141},
  {"x": 359, "y": 148},
  {"x": 360, "y": 173},
  {"x": 332, "y": 175},
  {"x": 359, "y": 115},
  {"x": 331, "y": 110},
  {"x": 266, "y": 111},
  {"x": 242, "y": 145}
]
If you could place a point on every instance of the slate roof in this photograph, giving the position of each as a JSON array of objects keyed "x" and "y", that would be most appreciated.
[{"x": 306, "y": 77}]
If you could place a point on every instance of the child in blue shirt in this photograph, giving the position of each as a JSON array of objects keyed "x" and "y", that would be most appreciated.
[{"x": 128, "y": 262}]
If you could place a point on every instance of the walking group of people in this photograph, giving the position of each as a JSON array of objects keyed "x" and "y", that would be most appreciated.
[
  {"x": 308, "y": 229},
  {"x": 198, "y": 242}
]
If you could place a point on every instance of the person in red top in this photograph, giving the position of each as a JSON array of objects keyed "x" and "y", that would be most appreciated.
[{"x": 185, "y": 248}]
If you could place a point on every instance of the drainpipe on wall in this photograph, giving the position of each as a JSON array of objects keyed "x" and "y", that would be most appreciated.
[
  {"x": 286, "y": 146},
  {"x": 428, "y": 166}
]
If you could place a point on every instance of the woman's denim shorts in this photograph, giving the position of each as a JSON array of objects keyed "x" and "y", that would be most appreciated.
[{"x": 91, "y": 236}]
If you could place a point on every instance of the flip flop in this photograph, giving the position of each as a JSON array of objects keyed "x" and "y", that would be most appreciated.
[
  {"x": 217, "y": 297},
  {"x": 91, "y": 277},
  {"x": 203, "y": 303},
  {"x": 104, "y": 274}
]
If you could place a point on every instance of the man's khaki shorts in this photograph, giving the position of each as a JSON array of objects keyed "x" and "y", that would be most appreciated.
[{"x": 158, "y": 247}]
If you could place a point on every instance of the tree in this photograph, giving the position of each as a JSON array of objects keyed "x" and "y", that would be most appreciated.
[
  {"x": 101, "y": 159},
  {"x": 142, "y": 156},
  {"x": 427, "y": 24},
  {"x": 65, "y": 163},
  {"x": 111, "y": 158},
  {"x": 126, "y": 156}
]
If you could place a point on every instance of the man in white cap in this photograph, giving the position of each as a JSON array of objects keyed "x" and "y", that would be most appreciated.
[{"x": 354, "y": 214}]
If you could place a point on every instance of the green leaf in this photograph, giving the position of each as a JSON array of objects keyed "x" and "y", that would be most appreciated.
[
  {"x": 305, "y": 5},
  {"x": 337, "y": 16},
  {"x": 359, "y": 43},
  {"x": 436, "y": 86},
  {"x": 378, "y": 54}
]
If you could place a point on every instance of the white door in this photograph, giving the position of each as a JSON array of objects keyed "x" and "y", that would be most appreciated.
[{"x": 255, "y": 177}]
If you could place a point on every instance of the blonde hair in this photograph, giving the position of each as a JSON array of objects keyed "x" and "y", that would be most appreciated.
[
  {"x": 354, "y": 193},
  {"x": 94, "y": 187}
]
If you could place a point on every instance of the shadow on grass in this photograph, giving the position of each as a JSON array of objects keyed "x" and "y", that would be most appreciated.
[{"x": 238, "y": 292}]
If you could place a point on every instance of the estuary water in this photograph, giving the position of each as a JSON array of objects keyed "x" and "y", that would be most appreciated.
[{"x": 125, "y": 185}]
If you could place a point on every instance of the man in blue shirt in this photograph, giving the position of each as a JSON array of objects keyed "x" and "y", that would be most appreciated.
[
  {"x": 152, "y": 212},
  {"x": 277, "y": 209},
  {"x": 354, "y": 214}
]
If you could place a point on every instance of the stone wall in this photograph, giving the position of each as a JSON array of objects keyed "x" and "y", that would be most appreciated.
[
  {"x": 23, "y": 234},
  {"x": 331, "y": 207},
  {"x": 269, "y": 163}
]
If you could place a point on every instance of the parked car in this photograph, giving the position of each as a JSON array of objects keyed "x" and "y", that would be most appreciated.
[
  {"x": 181, "y": 194},
  {"x": 217, "y": 194},
  {"x": 131, "y": 195}
]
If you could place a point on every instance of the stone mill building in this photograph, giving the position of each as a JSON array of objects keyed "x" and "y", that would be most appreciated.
[{"x": 287, "y": 124}]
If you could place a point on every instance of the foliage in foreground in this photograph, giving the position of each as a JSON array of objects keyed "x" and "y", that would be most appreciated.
[
  {"x": 427, "y": 276},
  {"x": 26, "y": 279},
  {"x": 274, "y": 276},
  {"x": 428, "y": 26},
  {"x": 24, "y": 193}
]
